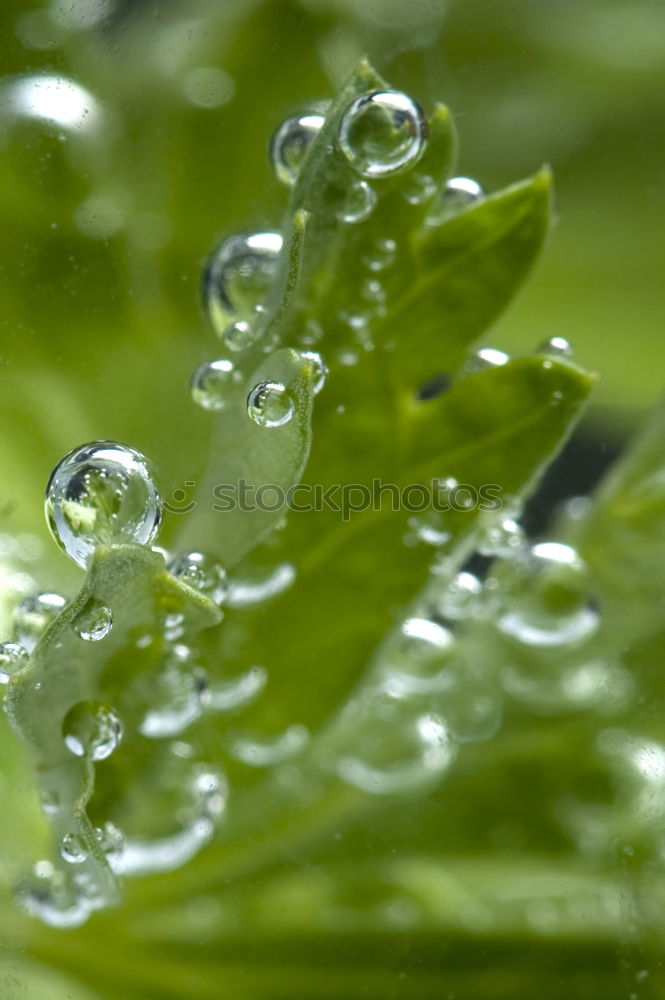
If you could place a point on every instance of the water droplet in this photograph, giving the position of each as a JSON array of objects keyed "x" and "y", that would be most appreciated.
[
  {"x": 502, "y": 539},
  {"x": 382, "y": 255},
  {"x": 101, "y": 494},
  {"x": 238, "y": 336},
  {"x": 557, "y": 347},
  {"x": 262, "y": 587},
  {"x": 290, "y": 144},
  {"x": 238, "y": 277},
  {"x": 486, "y": 357},
  {"x": 34, "y": 615},
  {"x": 267, "y": 752},
  {"x": 94, "y": 622},
  {"x": 318, "y": 368},
  {"x": 421, "y": 188},
  {"x": 358, "y": 204},
  {"x": 50, "y": 802},
  {"x": 13, "y": 658},
  {"x": 73, "y": 849},
  {"x": 383, "y": 133},
  {"x": 112, "y": 842},
  {"x": 545, "y": 596},
  {"x": 177, "y": 695},
  {"x": 458, "y": 194},
  {"x": 269, "y": 404},
  {"x": 460, "y": 598},
  {"x": 399, "y": 759},
  {"x": 210, "y": 384},
  {"x": 91, "y": 729},
  {"x": 415, "y": 662},
  {"x": 202, "y": 572},
  {"x": 53, "y": 900}
]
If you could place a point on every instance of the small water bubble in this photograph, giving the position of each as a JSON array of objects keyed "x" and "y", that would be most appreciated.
[
  {"x": 202, "y": 572},
  {"x": 269, "y": 404},
  {"x": 290, "y": 144},
  {"x": 73, "y": 849},
  {"x": 545, "y": 596},
  {"x": 421, "y": 188},
  {"x": 101, "y": 494},
  {"x": 460, "y": 598},
  {"x": 13, "y": 658},
  {"x": 318, "y": 368},
  {"x": 382, "y": 255},
  {"x": 238, "y": 277},
  {"x": 383, "y": 133},
  {"x": 50, "y": 802},
  {"x": 33, "y": 616},
  {"x": 91, "y": 729},
  {"x": 94, "y": 622},
  {"x": 178, "y": 694},
  {"x": 411, "y": 753},
  {"x": 112, "y": 842},
  {"x": 210, "y": 384},
  {"x": 238, "y": 336},
  {"x": 486, "y": 357},
  {"x": 458, "y": 194},
  {"x": 267, "y": 752},
  {"x": 312, "y": 333},
  {"x": 416, "y": 660},
  {"x": 502, "y": 539},
  {"x": 557, "y": 347},
  {"x": 358, "y": 204}
]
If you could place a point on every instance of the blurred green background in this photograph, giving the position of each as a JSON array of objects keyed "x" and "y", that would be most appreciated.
[{"x": 107, "y": 217}]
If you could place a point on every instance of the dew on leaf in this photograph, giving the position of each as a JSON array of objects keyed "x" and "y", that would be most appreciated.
[
  {"x": 13, "y": 659},
  {"x": 383, "y": 133},
  {"x": 381, "y": 255},
  {"x": 210, "y": 384},
  {"x": 545, "y": 596},
  {"x": 101, "y": 494},
  {"x": 359, "y": 201},
  {"x": 556, "y": 347},
  {"x": 486, "y": 357},
  {"x": 290, "y": 144},
  {"x": 73, "y": 849},
  {"x": 421, "y": 188},
  {"x": 318, "y": 368},
  {"x": 94, "y": 622},
  {"x": 91, "y": 729},
  {"x": 202, "y": 572},
  {"x": 269, "y": 404},
  {"x": 238, "y": 277},
  {"x": 33, "y": 616},
  {"x": 238, "y": 336}
]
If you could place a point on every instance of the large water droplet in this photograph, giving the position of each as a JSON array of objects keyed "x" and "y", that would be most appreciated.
[
  {"x": 34, "y": 615},
  {"x": 94, "y": 622},
  {"x": 202, "y": 572},
  {"x": 383, "y": 133},
  {"x": 13, "y": 658},
  {"x": 210, "y": 384},
  {"x": 238, "y": 277},
  {"x": 545, "y": 596},
  {"x": 91, "y": 729},
  {"x": 290, "y": 144},
  {"x": 269, "y": 404},
  {"x": 358, "y": 204},
  {"x": 101, "y": 494}
]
